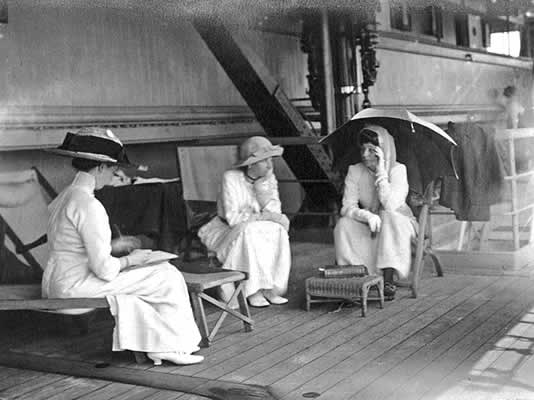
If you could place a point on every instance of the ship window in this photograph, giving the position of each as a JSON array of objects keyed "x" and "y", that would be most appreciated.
[
  {"x": 400, "y": 17},
  {"x": 461, "y": 26}
]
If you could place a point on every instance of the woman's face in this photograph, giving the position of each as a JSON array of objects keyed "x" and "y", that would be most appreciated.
[
  {"x": 369, "y": 158},
  {"x": 261, "y": 168},
  {"x": 105, "y": 175}
]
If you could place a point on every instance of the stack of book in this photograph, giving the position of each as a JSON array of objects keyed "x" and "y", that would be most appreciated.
[{"x": 343, "y": 271}]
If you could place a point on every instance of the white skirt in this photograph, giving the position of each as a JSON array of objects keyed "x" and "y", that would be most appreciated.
[
  {"x": 390, "y": 248},
  {"x": 150, "y": 305},
  {"x": 260, "y": 248}
]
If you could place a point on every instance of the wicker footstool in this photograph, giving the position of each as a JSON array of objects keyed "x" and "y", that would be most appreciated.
[{"x": 348, "y": 288}]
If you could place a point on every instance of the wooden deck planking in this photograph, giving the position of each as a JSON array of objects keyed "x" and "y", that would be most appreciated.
[
  {"x": 6, "y": 373},
  {"x": 350, "y": 326},
  {"x": 505, "y": 371},
  {"x": 341, "y": 364},
  {"x": 413, "y": 349},
  {"x": 236, "y": 340},
  {"x": 394, "y": 315},
  {"x": 80, "y": 387},
  {"x": 463, "y": 382},
  {"x": 446, "y": 332},
  {"x": 17, "y": 383},
  {"x": 481, "y": 347},
  {"x": 453, "y": 385},
  {"x": 10, "y": 377},
  {"x": 107, "y": 392},
  {"x": 168, "y": 395},
  {"x": 58, "y": 388},
  {"x": 276, "y": 328},
  {"x": 29, "y": 385},
  {"x": 293, "y": 329},
  {"x": 514, "y": 370},
  {"x": 136, "y": 393}
]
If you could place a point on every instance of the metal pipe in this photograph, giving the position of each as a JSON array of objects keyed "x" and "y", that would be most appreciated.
[
  {"x": 328, "y": 78},
  {"x": 346, "y": 85}
]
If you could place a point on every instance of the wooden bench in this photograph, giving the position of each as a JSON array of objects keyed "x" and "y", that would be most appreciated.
[
  {"x": 198, "y": 279},
  {"x": 28, "y": 297}
]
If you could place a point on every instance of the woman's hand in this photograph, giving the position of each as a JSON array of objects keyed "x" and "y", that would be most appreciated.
[
  {"x": 374, "y": 222},
  {"x": 276, "y": 217},
  {"x": 137, "y": 257},
  {"x": 124, "y": 245},
  {"x": 381, "y": 161}
]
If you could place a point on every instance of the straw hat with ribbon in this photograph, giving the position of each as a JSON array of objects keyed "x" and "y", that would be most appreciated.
[
  {"x": 257, "y": 148},
  {"x": 94, "y": 143}
]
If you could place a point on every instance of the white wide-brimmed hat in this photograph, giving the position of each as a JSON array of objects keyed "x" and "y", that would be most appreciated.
[
  {"x": 94, "y": 143},
  {"x": 257, "y": 148}
]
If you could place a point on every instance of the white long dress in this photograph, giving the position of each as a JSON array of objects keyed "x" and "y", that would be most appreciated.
[
  {"x": 150, "y": 305},
  {"x": 391, "y": 247},
  {"x": 260, "y": 248}
]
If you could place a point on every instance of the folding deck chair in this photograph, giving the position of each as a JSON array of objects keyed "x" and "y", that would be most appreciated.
[
  {"x": 27, "y": 295},
  {"x": 201, "y": 170},
  {"x": 422, "y": 244}
]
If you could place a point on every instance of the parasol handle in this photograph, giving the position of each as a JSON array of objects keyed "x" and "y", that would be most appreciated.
[{"x": 454, "y": 164}]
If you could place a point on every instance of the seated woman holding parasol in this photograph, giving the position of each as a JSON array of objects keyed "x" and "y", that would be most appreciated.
[{"x": 377, "y": 226}]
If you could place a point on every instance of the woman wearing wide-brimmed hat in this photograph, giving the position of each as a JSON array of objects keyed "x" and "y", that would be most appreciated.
[
  {"x": 151, "y": 304},
  {"x": 250, "y": 232}
]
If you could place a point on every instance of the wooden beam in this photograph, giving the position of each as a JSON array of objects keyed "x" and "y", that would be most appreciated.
[
  {"x": 214, "y": 389},
  {"x": 236, "y": 140},
  {"x": 272, "y": 108}
]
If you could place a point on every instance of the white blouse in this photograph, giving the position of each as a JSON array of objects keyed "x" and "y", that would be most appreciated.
[
  {"x": 240, "y": 199},
  {"x": 364, "y": 193},
  {"x": 79, "y": 237}
]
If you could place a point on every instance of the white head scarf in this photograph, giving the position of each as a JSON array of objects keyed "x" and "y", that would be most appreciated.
[{"x": 386, "y": 143}]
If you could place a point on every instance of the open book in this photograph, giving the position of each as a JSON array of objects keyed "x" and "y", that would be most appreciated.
[
  {"x": 140, "y": 181},
  {"x": 155, "y": 257}
]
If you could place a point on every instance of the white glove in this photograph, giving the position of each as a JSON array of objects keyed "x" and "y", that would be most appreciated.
[
  {"x": 374, "y": 222},
  {"x": 381, "y": 165}
]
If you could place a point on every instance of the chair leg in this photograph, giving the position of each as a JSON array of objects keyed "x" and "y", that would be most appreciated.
[
  {"x": 417, "y": 267},
  {"x": 380, "y": 286},
  {"x": 243, "y": 305},
  {"x": 364, "y": 291},
  {"x": 435, "y": 261},
  {"x": 187, "y": 246},
  {"x": 200, "y": 316}
]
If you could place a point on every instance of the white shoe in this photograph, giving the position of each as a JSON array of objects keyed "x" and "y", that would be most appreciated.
[
  {"x": 274, "y": 298},
  {"x": 257, "y": 300},
  {"x": 175, "y": 357}
]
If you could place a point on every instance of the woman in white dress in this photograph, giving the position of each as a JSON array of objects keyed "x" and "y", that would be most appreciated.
[
  {"x": 376, "y": 225},
  {"x": 150, "y": 304},
  {"x": 250, "y": 232}
]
